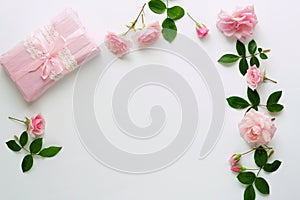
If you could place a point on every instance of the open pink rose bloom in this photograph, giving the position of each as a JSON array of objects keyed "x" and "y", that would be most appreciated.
[
  {"x": 148, "y": 35},
  {"x": 240, "y": 23},
  {"x": 117, "y": 44},
  {"x": 49, "y": 54},
  {"x": 256, "y": 128}
]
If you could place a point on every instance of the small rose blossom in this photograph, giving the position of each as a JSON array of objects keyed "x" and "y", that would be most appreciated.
[
  {"x": 256, "y": 128},
  {"x": 234, "y": 159},
  {"x": 254, "y": 77},
  {"x": 36, "y": 126},
  {"x": 117, "y": 44},
  {"x": 240, "y": 23},
  {"x": 237, "y": 168},
  {"x": 148, "y": 35},
  {"x": 202, "y": 31}
]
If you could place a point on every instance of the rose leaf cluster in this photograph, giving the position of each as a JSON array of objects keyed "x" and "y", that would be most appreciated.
[{"x": 35, "y": 127}]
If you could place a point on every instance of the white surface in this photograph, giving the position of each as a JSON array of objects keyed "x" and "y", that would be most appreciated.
[{"x": 74, "y": 174}]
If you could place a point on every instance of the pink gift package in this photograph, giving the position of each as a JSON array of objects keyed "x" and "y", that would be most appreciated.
[{"x": 48, "y": 54}]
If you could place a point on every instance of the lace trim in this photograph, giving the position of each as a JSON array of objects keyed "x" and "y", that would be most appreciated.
[
  {"x": 65, "y": 56},
  {"x": 67, "y": 59}
]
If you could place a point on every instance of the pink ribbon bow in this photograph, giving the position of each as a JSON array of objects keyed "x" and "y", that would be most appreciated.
[{"x": 48, "y": 62}]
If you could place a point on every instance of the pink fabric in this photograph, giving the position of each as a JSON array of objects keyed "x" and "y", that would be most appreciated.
[{"x": 32, "y": 75}]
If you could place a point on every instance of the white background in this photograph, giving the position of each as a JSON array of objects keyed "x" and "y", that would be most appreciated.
[{"x": 74, "y": 174}]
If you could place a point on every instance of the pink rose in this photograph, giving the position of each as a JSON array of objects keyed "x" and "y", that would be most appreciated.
[
  {"x": 240, "y": 23},
  {"x": 202, "y": 31},
  {"x": 148, "y": 35},
  {"x": 254, "y": 77},
  {"x": 117, "y": 44},
  {"x": 234, "y": 159},
  {"x": 256, "y": 127},
  {"x": 36, "y": 126}
]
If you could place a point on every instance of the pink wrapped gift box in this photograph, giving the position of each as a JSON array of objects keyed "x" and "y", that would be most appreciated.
[{"x": 48, "y": 54}]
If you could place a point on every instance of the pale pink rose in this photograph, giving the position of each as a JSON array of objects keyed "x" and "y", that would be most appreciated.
[
  {"x": 234, "y": 159},
  {"x": 117, "y": 44},
  {"x": 202, "y": 31},
  {"x": 36, "y": 126},
  {"x": 237, "y": 168},
  {"x": 254, "y": 77},
  {"x": 148, "y": 35},
  {"x": 256, "y": 128},
  {"x": 240, "y": 23}
]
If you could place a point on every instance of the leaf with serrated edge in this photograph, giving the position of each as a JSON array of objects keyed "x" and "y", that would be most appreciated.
[
  {"x": 240, "y": 48},
  {"x": 272, "y": 167},
  {"x": 254, "y": 61},
  {"x": 253, "y": 97},
  {"x": 169, "y": 30},
  {"x": 252, "y": 47},
  {"x": 260, "y": 156},
  {"x": 274, "y": 97},
  {"x": 246, "y": 177},
  {"x": 157, "y": 6},
  {"x": 275, "y": 107},
  {"x": 12, "y": 145},
  {"x": 27, "y": 163},
  {"x": 175, "y": 12},
  {"x": 237, "y": 102},
  {"x": 262, "y": 185},
  {"x": 228, "y": 58},
  {"x": 249, "y": 193},
  {"x": 243, "y": 66},
  {"x": 36, "y": 145},
  {"x": 50, "y": 151},
  {"x": 23, "y": 138}
]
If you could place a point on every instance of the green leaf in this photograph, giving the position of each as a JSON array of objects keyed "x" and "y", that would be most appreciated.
[
  {"x": 260, "y": 50},
  {"x": 169, "y": 30},
  {"x": 237, "y": 102},
  {"x": 254, "y": 61},
  {"x": 175, "y": 12},
  {"x": 275, "y": 107},
  {"x": 27, "y": 163},
  {"x": 157, "y": 6},
  {"x": 229, "y": 58},
  {"x": 243, "y": 66},
  {"x": 36, "y": 145},
  {"x": 260, "y": 156},
  {"x": 246, "y": 177},
  {"x": 263, "y": 56},
  {"x": 23, "y": 138},
  {"x": 249, "y": 193},
  {"x": 240, "y": 48},
  {"x": 50, "y": 151},
  {"x": 252, "y": 47},
  {"x": 12, "y": 145},
  {"x": 272, "y": 167},
  {"x": 262, "y": 185},
  {"x": 253, "y": 97},
  {"x": 274, "y": 97}
]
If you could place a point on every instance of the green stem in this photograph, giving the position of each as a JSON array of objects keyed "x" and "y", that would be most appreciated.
[
  {"x": 17, "y": 139},
  {"x": 135, "y": 21},
  {"x": 18, "y": 120},
  {"x": 193, "y": 19},
  {"x": 268, "y": 79},
  {"x": 265, "y": 51},
  {"x": 249, "y": 151},
  {"x": 258, "y": 171}
]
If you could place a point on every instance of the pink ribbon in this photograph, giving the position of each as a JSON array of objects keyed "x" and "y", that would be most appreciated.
[{"x": 48, "y": 62}]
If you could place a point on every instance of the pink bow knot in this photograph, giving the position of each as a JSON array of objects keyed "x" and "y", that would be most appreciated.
[{"x": 48, "y": 62}]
